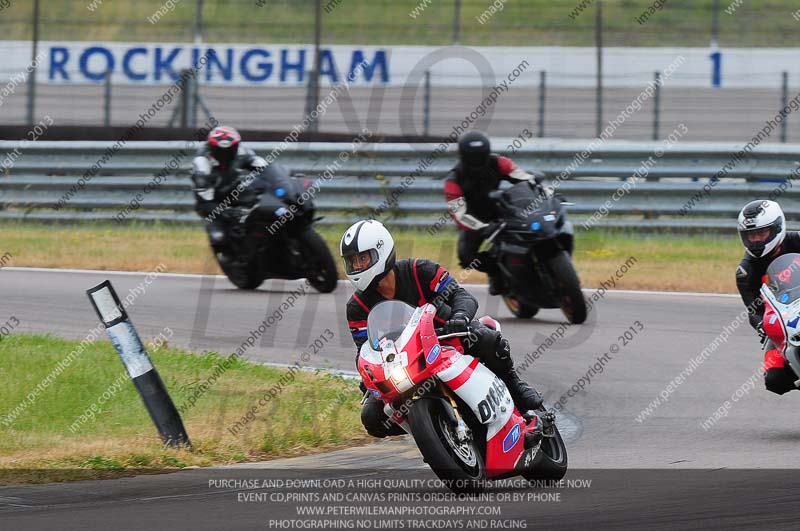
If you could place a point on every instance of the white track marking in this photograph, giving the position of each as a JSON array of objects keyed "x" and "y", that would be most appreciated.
[{"x": 345, "y": 282}]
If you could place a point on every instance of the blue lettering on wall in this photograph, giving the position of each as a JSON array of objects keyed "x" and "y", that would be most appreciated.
[
  {"x": 160, "y": 64},
  {"x": 716, "y": 69},
  {"x": 59, "y": 56},
  {"x": 263, "y": 67},
  {"x": 165, "y": 63},
  {"x": 213, "y": 59},
  {"x": 196, "y": 58},
  {"x": 368, "y": 70},
  {"x": 126, "y": 64},
  {"x": 107, "y": 67},
  {"x": 327, "y": 66},
  {"x": 299, "y": 66}
]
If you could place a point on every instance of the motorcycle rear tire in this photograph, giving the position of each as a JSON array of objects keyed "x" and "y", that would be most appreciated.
[{"x": 550, "y": 462}]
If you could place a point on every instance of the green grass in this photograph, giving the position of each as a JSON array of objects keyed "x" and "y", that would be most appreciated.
[
  {"x": 528, "y": 23},
  {"x": 666, "y": 261},
  {"x": 119, "y": 435}
]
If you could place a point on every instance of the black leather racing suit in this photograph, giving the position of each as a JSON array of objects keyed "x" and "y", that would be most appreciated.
[
  {"x": 217, "y": 188},
  {"x": 467, "y": 193}
]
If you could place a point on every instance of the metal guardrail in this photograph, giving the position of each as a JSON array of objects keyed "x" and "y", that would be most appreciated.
[{"x": 43, "y": 171}]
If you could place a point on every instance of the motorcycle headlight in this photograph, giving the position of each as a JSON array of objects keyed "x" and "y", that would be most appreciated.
[{"x": 400, "y": 378}]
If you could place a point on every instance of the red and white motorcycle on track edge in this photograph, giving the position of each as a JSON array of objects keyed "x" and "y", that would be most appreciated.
[{"x": 460, "y": 413}]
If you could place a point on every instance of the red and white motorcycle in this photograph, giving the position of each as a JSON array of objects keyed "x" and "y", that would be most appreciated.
[
  {"x": 781, "y": 321},
  {"x": 460, "y": 413}
]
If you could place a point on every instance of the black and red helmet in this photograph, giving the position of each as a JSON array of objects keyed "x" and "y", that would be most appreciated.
[{"x": 223, "y": 144}]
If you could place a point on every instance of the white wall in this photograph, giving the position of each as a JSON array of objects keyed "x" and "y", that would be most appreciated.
[{"x": 272, "y": 65}]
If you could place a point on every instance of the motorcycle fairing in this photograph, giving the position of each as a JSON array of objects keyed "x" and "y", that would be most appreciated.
[{"x": 505, "y": 428}]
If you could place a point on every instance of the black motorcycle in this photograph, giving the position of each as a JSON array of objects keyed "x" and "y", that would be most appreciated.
[
  {"x": 272, "y": 234},
  {"x": 533, "y": 249}
]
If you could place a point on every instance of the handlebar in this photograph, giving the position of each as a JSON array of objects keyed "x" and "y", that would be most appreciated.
[
  {"x": 467, "y": 333},
  {"x": 454, "y": 334}
]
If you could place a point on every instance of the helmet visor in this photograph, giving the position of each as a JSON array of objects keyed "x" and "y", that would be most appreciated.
[
  {"x": 475, "y": 158},
  {"x": 756, "y": 240},
  {"x": 358, "y": 262},
  {"x": 224, "y": 154}
]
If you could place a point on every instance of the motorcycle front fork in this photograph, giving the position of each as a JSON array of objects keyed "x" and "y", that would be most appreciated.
[{"x": 463, "y": 433}]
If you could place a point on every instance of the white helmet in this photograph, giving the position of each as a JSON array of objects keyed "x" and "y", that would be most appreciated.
[
  {"x": 372, "y": 238},
  {"x": 762, "y": 227}
]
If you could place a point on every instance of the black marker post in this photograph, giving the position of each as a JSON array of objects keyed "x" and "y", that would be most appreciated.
[{"x": 137, "y": 362}]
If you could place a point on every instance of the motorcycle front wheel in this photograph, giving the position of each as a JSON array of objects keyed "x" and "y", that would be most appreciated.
[
  {"x": 458, "y": 464},
  {"x": 519, "y": 309},
  {"x": 569, "y": 285},
  {"x": 320, "y": 265},
  {"x": 243, "y": 276}
]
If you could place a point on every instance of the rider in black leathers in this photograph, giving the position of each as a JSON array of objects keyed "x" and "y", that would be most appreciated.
[
  {"x": 467, "y": 188},
  {"x": 220, "y": 171}
]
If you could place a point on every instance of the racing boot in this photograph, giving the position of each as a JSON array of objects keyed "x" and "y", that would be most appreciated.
[
  {"x": 497, "y": 284},
  {"x": 496, "y": 355},
  {"x": 525, "y": 397}
]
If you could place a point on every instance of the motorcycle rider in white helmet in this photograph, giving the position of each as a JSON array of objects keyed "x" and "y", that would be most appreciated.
[
  {"x": 762, "y": 228},
  {"x": 368, "y": 251}
]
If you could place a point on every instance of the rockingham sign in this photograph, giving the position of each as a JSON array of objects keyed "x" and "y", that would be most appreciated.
[
  {"x": 234, "y": 64},
  {"x": 287, "y": 65}
]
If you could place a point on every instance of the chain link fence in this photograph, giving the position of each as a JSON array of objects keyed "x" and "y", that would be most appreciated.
[{"x": 552, "y": 102}]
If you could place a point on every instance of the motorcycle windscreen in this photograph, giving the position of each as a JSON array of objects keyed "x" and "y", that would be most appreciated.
[
  {"x": 276, "y": 181},
  {"x": 783, "y": 278},
  {"x": 387, "y": 320},
  {"x": 521, "y": 196}
]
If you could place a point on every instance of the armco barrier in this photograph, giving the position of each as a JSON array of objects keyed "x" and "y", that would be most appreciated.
[{"x": 38, "y": 174}]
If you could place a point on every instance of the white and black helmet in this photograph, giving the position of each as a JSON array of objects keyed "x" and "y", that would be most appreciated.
[
  {"x": 762, "y": 227},
  {"x": 368, "y": 252}
]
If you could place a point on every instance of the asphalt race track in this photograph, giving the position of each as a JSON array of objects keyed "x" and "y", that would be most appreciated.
[{"x": 660, "y": 471}]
